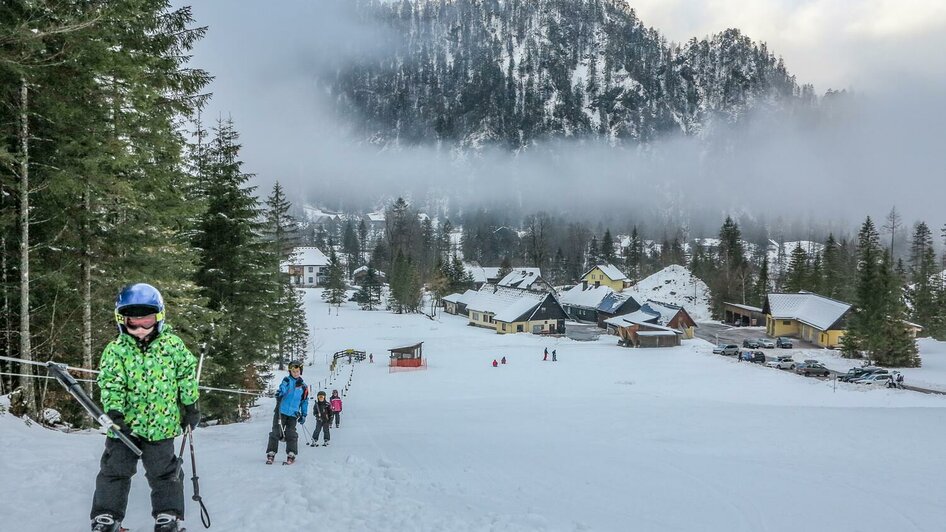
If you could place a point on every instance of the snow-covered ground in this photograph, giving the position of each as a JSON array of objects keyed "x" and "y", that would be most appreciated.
[{"x": 607, "y": 438}]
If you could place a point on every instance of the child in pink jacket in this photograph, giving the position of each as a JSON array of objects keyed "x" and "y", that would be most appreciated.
[{"x": 336, "y": 403}]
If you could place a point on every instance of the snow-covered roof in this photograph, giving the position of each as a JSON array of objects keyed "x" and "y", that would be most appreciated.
[
  {"x": 375, "y": 216},
  {"x": 750, "y": 308},
  {"x": 610, "y": 270},
  {"x": 460, "y": 298},
  {"x": 585, "y": 296},
  {"x": 481, "y": 274},
  {"x": 307, "y": 256},
  {"x": 613, "y": 301},
  {"x": 671, "y": 332},
  {"x": 521, "y": 278},
  {"x": 666, "y": 312},
  {"x": 675, "y": 285},
  {"x": 316, "y": 215},
  {"x": 497, "y": 299},
  {"x": 811, "y": 309},
  {"x": 639, "y": 316}
]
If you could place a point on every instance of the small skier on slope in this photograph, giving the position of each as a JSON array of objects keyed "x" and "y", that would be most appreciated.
[
  {"x": 323, "y": 420},
  {"x": 336, "y": 403},
  {"x": 292, "y": 404},
  {"x": 146, "y": 373}
]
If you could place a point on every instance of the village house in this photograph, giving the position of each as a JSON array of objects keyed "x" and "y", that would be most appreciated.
[
  {"x": 606, "y": 275},
  {"x": 581, "y": 301},
  {"x": 742, "y": 315},
  {"x": 307, "y": 267},
  {"x": 528, "y": 278},
  {"x": 512, "y": 310},
  {"x": 615, "y": 304},
  {"x": 806, "y": 315},
  {"x": 456, "y": 303},
  {"x": 654, "y": 324}
]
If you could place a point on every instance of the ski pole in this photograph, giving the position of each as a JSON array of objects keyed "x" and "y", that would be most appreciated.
[
  {"x": 305, "y": 432},
  {"x": 73, "y": 387}
]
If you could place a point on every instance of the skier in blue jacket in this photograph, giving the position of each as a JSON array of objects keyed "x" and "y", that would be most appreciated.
[{"x": 292, "y": 404}]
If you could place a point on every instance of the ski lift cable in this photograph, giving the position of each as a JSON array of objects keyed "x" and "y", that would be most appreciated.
[{"x": 241, "y": 391}]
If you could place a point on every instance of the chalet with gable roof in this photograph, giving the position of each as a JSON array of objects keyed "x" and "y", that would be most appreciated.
[
  {"x": 512, "y": 310},
  {"x": 654, "y": 324},
  {"x": 806, "y": 315},
  {"x": 307, "y": 267},
  {"x": 615, "y": 304},
  {"x": 528, "y": 278},
  {"x": 581, "y": 301},
  {"x": 606, "y": 275}
]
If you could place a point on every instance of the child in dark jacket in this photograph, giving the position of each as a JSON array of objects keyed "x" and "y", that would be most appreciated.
[
  {"x": 323, "y": 419},
  {"x": 336, "y": 403},
  {"x": 292, "y": 404}
]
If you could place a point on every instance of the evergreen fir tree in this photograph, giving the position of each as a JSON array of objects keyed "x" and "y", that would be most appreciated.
[
  {"x": 607, "y": 248},
  {"x": 334, "y": 292},
  {"x": 796, "y": 278},
  {"x": 505, "y": 268},
  {"x": 867, "y": 317},
  {"x": 351, "y": 247},
  {"x": 368, "y": 296}
]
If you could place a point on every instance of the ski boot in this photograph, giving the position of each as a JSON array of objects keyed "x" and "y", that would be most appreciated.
[
  {"x": 105, "y": 523},
  {"x": 325, "y": 444},
  {"x": 290, "y": 459},
  {"x": 168, "y": 523},
  {"x": 270, "y": 457}
]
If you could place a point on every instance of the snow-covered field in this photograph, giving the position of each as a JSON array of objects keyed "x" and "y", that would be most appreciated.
[{"x": 607, "y": 438}]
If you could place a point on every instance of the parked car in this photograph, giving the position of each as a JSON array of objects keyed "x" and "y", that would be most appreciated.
[
  {"x": 811, "y": 361},
  {"x": 782, "y": 362},
  {"x": 756, "y": 357},
  {"x": 766, "y": 343},
  {"x": 783, "y": 342},
  {"x": 874, "y": 378},
  {"x": 730, "y": 350},
  {"x": 751, "y": 343},
  {"x": 858, "y": 373},
  {"x": 808, "y": 370}
]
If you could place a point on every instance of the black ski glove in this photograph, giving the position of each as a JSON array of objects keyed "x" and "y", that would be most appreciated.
[
  {"x": 119, "y": 419},
  {"x": 190, "y": 416}
]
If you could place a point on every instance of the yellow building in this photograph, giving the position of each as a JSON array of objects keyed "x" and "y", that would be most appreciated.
[
  {"x": 605, "y": 275},
  {"x": 805, "y": 315}
]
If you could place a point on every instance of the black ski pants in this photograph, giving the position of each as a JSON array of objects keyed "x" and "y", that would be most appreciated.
[
  {"x": 286, "y": 432},
  {"x": 119, "y": 464},
  {"x": 322, "y": 426}
]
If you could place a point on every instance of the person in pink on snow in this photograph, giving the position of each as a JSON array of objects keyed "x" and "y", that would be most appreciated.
[
  {"x": 495, "y": 364},
  {"x": 336, "y": 404}
]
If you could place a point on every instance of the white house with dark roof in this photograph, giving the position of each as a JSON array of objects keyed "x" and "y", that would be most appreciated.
[
  {"x": 528, "y": 278},
  {"x": 581, "y": 302},
  {"x": 806, "y": 315},
  {"x": 511, "y": 310},
  {"x": 307, "y": 267}
]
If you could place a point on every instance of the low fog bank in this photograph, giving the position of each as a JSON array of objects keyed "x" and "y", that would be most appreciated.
[{"x": 859, "y": 155}]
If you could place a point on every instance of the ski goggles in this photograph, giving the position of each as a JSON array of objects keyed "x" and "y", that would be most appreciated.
[
  {"x": 143, "y": 322},
  {"x": 139, "y": 321}
]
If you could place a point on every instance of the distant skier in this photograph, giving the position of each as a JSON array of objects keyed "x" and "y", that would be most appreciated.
[
  {"x": 371, "y": 358},
  {"x": 554, "y": 358},
  {"x": 546, "y": 356},
  {"x": 146, "y": 373},
  {"x": 292, "y": 404},
  {"x": 495, "y": 364},
  {"x": 900, "y": 380},
  {"x": 323, "y": 420},
  {"x": 336, "y": 403},
  {"x": 503, "y": 361}
]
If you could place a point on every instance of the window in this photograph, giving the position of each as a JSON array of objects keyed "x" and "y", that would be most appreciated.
[
  {"x": 311, "y": 269},
  {"x": 310, "y": 280},
  {"x": 518, "y": 328},
  {"x": 786, "y": 322},
  {"x": 504, "y": 326}
]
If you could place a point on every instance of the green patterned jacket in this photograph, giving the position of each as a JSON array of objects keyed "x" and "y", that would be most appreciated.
[{"x": 146, "y": 386}]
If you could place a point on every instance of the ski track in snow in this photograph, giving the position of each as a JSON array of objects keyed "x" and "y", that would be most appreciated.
[{"x": 607, "y": 438}]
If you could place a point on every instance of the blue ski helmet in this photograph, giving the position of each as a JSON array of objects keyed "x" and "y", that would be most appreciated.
[{"x": 139, "y": 299}]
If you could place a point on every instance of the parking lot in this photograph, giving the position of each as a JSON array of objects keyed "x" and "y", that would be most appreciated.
[{"x": 719, "y": 333}]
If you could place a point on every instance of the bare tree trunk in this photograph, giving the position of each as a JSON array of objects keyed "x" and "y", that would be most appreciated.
[
  {"x": 26, "y": 382},
  {"x": 87, "y": 287},
  {"x": 6, "y": 383}
]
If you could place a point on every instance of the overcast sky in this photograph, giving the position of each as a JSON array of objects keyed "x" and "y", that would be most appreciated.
[{"x": 265, "y": 56}]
